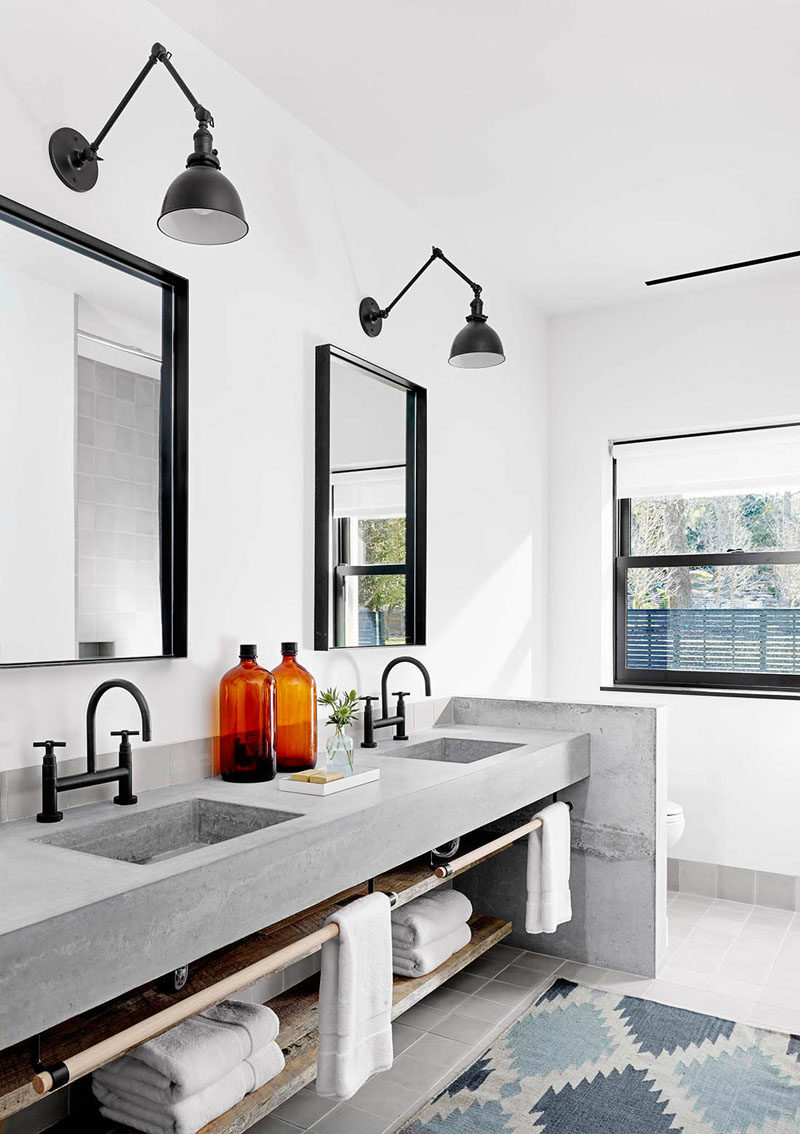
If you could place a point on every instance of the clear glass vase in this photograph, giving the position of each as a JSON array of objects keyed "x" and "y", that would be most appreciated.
[{"x": 339, "y": 749}]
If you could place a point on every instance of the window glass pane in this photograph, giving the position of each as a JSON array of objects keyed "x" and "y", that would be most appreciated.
[
  {"x": 727, "y": 619},
  {"x": 381, "y": 541},
  {"x": 375, "y": 610},
  {"x": 677, "y": 525}
]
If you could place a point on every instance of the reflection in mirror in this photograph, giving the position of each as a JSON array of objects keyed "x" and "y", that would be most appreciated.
[
  {"x": 83, "y": 511},
  {"x": 371, "y": 468}
]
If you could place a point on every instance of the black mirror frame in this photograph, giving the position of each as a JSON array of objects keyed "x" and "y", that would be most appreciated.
[
  {"x": 174, "y": 422},
  {"x": 416, "y": 498}
]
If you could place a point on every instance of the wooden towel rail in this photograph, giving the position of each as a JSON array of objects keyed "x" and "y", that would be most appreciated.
[
  {"x": 91, "y": 1058},
  {"x": 84, "y": 1062},
  {"x": 447, "y": 869}
]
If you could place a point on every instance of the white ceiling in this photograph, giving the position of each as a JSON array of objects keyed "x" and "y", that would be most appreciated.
[{"x": 586, "y": 145}]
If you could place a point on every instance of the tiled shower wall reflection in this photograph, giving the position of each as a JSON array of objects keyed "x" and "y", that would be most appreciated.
[{"x": 117, "y": 503}]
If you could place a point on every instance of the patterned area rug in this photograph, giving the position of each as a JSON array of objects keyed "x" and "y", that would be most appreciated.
[{"x": 588, "y": 1062}]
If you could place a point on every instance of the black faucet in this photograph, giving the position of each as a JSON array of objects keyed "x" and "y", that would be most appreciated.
[
  {"x": 52, "y": 783},
  {"x": 399, "y": 719}
]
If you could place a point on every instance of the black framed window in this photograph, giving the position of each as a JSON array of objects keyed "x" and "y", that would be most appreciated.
[{"x": 707, "y": 560}]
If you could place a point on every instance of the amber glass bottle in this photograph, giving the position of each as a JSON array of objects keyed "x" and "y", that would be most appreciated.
[
  {"x": 246, "y": 721},
  {"x": 296, "y": 713}
]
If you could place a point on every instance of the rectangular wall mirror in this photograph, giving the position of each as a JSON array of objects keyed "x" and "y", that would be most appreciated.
[
  {"x": 370, "y": 505},
  {"x": 93, "y": 448}
]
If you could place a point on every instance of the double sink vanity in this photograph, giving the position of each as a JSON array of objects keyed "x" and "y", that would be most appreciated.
[{"x": 123, "y": 897}]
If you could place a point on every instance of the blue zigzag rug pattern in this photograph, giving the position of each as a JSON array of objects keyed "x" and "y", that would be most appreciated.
[{"x": 583, "y": 1061}]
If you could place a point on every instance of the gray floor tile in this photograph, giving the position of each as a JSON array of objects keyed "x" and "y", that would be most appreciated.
[
  {"x": 504, "y": 952},
  {"x": 537, "y": 962},
  {"x": 422, "y": 1016},
  {"x": 403, "y": 1036},
  {"x": 465, "y": 1029},
  {"x": 508, "y": 994},
  {"x": 487, "y": 966},
  {"x": 439, "y": 1051},
  {"x": 488, "y": 1010},
  {"x": 412, "y": 1073},
  {"x": 270, "y": 1125},
  {"x": 522, "y": 978},
  {"x": 383, "y": 1098},
  {"x": 466, "y": 983},
  {"x": 445, "y": 999},
  {"x": 347, "y": 1119},
  {"x": 305, "y": 1108}
]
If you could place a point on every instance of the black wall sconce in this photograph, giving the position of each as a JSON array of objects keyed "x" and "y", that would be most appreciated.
[
  {"x": 475, "y": 345},
  {"x": 201, "y": 206}
]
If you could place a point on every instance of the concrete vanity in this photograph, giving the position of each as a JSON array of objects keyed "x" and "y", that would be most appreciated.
[{"x": 79, "y": 928}]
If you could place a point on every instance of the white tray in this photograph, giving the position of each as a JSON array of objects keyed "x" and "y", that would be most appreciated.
[{"x": 303, "y": 787}]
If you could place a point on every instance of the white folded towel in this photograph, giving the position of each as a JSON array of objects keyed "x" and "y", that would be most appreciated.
[
  {"x": 195, "y": 1053},
  {"x": 430, "y": 917},
  {"x": 549, "y": 903},
  {"x": 355, "y": 998},
  {"x": 417, "y": 960},
  {"x": 188, "y": 1115}
]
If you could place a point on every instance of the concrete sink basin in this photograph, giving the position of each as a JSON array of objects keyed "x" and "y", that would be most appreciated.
[
  {"x": 166, "y": 832},
  {"x": 455, "y": 750}
]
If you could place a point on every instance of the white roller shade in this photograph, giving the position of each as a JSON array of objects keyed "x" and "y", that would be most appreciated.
[
  {"x": 369, "y": 494},
  {"x": 717, "y": 464}
]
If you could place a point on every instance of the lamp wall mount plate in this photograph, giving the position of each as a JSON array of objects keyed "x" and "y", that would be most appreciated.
[
  {"x": 66, "y": 148},
  {"x": 371, "y": 317}
]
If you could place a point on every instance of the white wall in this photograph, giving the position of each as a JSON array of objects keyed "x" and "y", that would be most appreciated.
[
  {"x": 322, "y": 236},
  {"x": 693, "y": 356}
]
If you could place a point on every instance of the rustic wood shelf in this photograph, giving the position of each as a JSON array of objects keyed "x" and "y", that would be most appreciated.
[{"x": 296, "y": 1008}]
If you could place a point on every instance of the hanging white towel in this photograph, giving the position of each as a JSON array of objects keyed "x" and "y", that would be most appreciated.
[
  {"x": 355, "y": 998},
  {"x": 417, "y": 960},
  {"x": 549, "y": 903},
  {"x": 430, "y": 917},
  {"x": 129, "y": 1107},
  {"x": 193, "y": 1054}
]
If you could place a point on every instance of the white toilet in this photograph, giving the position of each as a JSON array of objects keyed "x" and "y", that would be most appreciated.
[{"x": 676, "y": 822}]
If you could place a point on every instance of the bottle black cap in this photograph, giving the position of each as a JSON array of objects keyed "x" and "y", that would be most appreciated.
[
  {"x": 288, "y": 648},
  {"x": 248, "y": 651}
]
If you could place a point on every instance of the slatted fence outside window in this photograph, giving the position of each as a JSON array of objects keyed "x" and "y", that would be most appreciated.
[{"x": 738, "y": 641}]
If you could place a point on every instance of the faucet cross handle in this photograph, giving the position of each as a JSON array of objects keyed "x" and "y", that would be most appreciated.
[
  {"x": 369, "y": 740},
  {"x": 49, "y": 812},
  {"x": 126, "y": 732},
  {"x": 400, "y": 730}
]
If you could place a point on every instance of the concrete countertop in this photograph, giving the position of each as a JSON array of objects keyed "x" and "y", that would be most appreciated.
[{"x": 77, "y": 929}]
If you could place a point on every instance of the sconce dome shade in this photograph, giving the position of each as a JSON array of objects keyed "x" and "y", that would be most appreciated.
[
  {"x": 477, "y": 345},
  {"x": 201, "y": 206}
]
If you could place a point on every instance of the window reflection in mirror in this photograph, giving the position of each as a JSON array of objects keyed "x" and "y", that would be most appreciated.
[{"x": 374, "y": 559}]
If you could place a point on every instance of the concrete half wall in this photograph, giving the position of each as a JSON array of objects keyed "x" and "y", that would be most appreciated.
[{"x": 618, "y": 878}]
